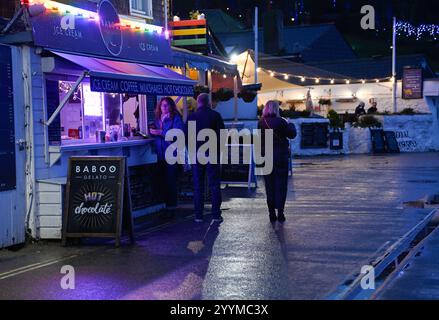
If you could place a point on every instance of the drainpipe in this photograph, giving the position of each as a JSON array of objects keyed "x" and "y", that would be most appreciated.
[{"x": 30, "y": 223}]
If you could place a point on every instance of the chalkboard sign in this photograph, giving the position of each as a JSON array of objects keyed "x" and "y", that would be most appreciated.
[
  {"x": 7, "y": 132},
  {"x": 391, "y": 142},
  {"x": 145, "y": 191},
  {"x": 239, "y": 172},
  {"x": 378, "y": 142},
  {"x": 314, "y": 135},
  {"x": 97, "y": 198}
]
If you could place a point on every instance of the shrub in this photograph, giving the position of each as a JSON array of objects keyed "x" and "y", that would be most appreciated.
[
  {"x": 200, "y": 89},
  {"x": 223, "y": 94},
  {"x": 247, "y": 95},
  {"x": 335, "y": 121},
  {"x": 368, "y": 121},
  {"x": 408, "y": 111},
  {"x": 325, "y": 102}
]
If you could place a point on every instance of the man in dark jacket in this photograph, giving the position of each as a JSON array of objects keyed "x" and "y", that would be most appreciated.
[{"x": 206, "y": 118}]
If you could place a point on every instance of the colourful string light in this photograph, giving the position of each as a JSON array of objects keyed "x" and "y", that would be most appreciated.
[{"x": 67, "y": 9}]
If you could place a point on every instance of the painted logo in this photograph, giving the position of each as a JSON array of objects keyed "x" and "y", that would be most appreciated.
[{"x": 109, "y": 25}]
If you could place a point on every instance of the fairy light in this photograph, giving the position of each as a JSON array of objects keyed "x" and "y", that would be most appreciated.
[
  {"x": 224, "y": 76},
  {"x": 288, "y": 76},
  {"x": 423, "y": 31}
]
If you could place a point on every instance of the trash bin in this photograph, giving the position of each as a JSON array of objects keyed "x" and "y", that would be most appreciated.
[{"x": 336, "y": 140}]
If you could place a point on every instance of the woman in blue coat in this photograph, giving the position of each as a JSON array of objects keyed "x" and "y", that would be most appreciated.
[{"x": 167, "y": 117}]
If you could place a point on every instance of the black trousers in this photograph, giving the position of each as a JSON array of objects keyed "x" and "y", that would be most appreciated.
[
  {"x": 168, "y": 180},
  {"x": 214, "y": 176},
  {"x": 276, "y": 185}
]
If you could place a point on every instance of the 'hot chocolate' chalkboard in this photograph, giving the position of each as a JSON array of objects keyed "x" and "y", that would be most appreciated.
[{"x": 97, "y": 198}]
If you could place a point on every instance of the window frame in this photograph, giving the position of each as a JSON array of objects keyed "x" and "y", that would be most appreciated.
[{"x": 140, "y": 13}]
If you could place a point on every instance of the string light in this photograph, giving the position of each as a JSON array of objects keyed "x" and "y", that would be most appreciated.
[
  {"x": 424, "y": 31},
  {"x": 287, "y": 76}
]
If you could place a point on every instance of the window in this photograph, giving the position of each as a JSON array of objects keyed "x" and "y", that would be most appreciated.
[
  {"x": 91, "y": 117},
  {"x": 141, "y": 8}
]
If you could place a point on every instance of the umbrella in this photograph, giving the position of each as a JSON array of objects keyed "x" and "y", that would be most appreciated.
[{"x": 308, "y": 103}]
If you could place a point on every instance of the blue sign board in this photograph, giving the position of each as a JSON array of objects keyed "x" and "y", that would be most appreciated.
[
  {"x": 103, "y": 35},
  {"x": 134, "y": 86},
  {"x": 7, "y": 132}
]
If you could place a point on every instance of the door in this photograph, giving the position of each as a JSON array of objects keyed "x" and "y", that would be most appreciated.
[{"x": 12, "y": 153}]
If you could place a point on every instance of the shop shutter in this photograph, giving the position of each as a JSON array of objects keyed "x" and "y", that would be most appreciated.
[{"x": 52, "y": 95}]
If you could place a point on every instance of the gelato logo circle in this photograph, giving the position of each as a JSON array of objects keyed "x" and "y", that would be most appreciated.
[{"x": 109, "y": 25}]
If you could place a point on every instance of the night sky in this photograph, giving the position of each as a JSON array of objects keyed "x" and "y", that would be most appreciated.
[{"x": 315, "y": 11}]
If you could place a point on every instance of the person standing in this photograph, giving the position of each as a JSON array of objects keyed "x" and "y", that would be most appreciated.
[
  {"x": 206, "y": 118},
  {"x": 167, "y": 117},
  {"x": 276, "y": 183}
]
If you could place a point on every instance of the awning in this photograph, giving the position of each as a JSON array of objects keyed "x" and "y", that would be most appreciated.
[
  {"x": 183, "y": 57},
  {"x": 132, "y": 78}
]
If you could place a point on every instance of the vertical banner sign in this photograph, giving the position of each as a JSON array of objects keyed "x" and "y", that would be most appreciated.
[
  {"x": 7, "y": 132},
  {"x": 97, "y": 198},
  {"x": 412, "y": 83}
]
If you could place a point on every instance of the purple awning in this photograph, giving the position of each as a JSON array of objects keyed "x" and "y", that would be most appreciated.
[{"x": 123, "y": 77}]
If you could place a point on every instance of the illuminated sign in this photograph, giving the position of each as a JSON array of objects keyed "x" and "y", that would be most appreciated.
[
  {"x": 103, "y": 33},
  {"x": 113, "y": 85}
]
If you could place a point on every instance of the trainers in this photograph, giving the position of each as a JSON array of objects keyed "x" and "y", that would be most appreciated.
[{"x": 281, "y": 217}]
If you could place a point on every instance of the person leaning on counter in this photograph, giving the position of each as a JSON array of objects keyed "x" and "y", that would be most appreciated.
[{"x": 167, "y": 117}]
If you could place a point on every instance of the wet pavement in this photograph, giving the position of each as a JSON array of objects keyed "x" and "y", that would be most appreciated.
[
  {"x": 341, "y": 211},
  {"x": 419, "y": 280}
]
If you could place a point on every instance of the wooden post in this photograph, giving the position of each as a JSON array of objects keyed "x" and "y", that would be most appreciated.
[
  {"x": 209, "y": 84},
  {"x": 235, "y": 96},
  {"x": 185, "y": 111}
]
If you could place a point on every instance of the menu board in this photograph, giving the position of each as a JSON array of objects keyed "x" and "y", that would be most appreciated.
[
  {"x": 412, "y": 83},
  {"x": 7, "y": 132},
  {"x": 314, "y": 135},
  {"x": 97, "y": 198},
  {"x": 241, "y": 172}
]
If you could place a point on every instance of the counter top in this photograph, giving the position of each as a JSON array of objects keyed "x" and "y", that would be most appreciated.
[{"x": 95, "y": 146}]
